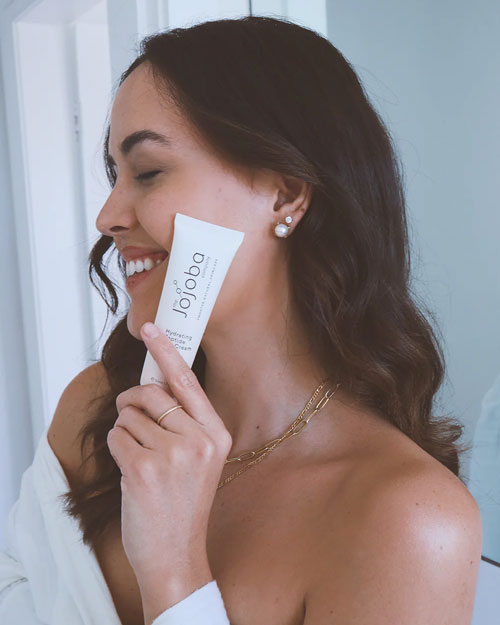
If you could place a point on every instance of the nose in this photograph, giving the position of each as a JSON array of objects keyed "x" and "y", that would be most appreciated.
[{"x": 115, "y": 215}]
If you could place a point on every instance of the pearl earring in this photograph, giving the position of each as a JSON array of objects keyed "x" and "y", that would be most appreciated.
[{"x": 281, "y": 230}]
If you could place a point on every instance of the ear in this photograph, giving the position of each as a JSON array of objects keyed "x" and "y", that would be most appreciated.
[{"x": 294, "y": 198}]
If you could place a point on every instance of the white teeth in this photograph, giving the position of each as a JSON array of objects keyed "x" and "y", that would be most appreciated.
[{"x": 138, "y": 266}]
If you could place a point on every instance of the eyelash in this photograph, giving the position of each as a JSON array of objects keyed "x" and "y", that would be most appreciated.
[{"x": 147, "y": 175}]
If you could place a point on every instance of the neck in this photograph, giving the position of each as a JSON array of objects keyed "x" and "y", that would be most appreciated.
[{"x": 259, "y": 376}]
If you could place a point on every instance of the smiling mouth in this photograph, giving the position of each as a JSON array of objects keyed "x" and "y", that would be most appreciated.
[{"x": 141, "y": 276}]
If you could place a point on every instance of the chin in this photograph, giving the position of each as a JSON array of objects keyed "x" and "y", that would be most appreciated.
[{"x": 134, "y": 326}]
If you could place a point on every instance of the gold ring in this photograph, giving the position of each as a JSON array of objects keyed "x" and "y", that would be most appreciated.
[{"x": 167, "y": 412}]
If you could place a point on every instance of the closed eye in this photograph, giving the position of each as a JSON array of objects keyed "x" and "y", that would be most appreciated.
[{"x": 147, "y": 175}]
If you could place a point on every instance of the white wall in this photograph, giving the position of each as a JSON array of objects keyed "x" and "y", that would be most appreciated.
[
  {"x": 15, "y": 421},
  {"x": 50, "y": 194},
  {"x": 431, "y": 68}
]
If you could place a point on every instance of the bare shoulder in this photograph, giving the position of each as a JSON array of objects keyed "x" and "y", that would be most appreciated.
[
  {"x": 73, "y": 410},
  {"x": 409, "y": 552}
]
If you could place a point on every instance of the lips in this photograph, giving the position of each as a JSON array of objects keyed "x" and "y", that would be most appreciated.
[
  {"x": 136, "y": 279},
  {"x": 138, "y": 253}
]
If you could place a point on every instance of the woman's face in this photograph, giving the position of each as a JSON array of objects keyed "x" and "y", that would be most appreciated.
[{"x": 190, "y": 180}]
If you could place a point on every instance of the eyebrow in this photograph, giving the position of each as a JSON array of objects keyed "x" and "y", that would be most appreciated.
[{"x": 139, "y": 137}]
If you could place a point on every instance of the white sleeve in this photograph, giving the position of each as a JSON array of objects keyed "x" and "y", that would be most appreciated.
[
  {"x": 16, "y": 600},
  {"x": 203, "y": 607}
]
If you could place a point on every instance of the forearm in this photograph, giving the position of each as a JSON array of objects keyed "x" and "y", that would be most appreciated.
[{"x": 164, "y": 590}]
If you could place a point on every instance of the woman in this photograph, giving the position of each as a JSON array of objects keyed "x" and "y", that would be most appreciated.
[{"x": 251, "y": 123}]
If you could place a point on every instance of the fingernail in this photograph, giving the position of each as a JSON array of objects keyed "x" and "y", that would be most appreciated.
[{"x": 150, "y": 330}]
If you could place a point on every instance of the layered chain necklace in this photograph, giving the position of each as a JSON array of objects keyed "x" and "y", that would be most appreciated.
[{"x": 297, "y": 426}]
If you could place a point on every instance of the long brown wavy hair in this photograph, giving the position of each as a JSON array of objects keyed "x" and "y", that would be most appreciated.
[{"x": 268, "y": 93}]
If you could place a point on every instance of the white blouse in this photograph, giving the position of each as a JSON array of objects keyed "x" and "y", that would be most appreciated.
[{"x": 48, "y": 576}]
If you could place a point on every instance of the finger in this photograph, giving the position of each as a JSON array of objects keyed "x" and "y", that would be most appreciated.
[
  {"x": 152, "y": 399},
  {"x": 179, "y": 422},
  {"x": 141, "y": 427},
  {"x": 180, "y": 378},
  {"x": 123, "y": 447}
]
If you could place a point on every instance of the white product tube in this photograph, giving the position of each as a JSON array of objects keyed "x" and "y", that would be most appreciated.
[{"x": 199, "y": 260}]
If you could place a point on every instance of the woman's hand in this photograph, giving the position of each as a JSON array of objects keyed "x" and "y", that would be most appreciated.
[{"x": 170, "y": 473}]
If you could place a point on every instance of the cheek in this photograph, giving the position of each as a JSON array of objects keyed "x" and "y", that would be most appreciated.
[
  {"x": 221, "y": 200},
  {"x": 156, "y": 216}
]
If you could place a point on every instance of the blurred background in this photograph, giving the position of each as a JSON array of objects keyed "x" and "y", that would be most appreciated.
[{"x": 431, "y": 68}]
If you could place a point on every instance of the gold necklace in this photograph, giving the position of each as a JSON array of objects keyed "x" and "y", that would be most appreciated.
[{"x": 297, "y": 426}]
